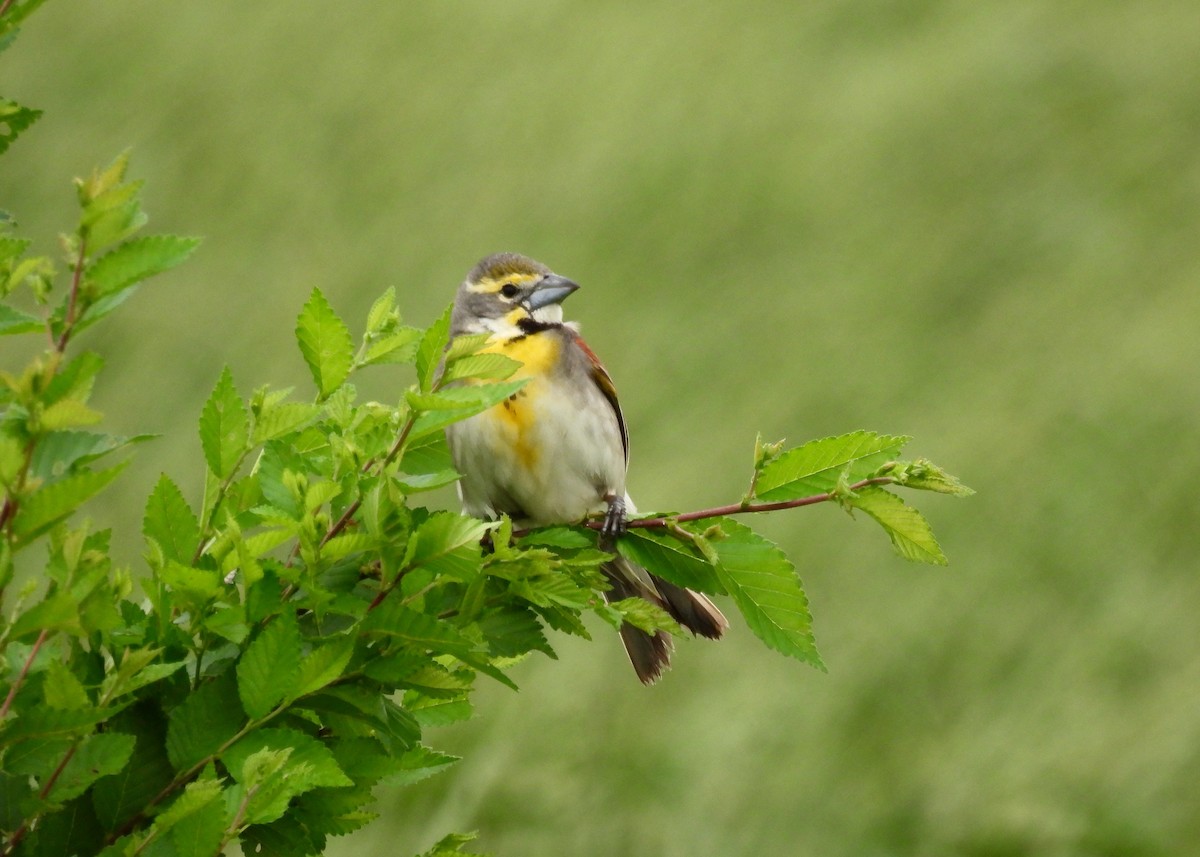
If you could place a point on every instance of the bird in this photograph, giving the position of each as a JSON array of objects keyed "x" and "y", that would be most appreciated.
[{"x": 557, "y": 451}]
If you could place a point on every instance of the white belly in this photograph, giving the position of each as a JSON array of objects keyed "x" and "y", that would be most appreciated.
[{"x": 550, "y": 455}]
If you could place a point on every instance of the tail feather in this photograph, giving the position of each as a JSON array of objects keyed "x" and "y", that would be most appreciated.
[{"x": 650, "y": 654}]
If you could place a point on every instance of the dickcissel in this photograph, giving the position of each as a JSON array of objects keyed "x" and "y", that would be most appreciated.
[{"x": 556, "y": 452}]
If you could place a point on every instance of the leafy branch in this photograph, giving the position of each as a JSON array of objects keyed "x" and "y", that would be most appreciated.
[{"x": 307, "y": 621}]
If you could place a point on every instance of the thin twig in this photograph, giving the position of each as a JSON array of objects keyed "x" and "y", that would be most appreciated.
[
  {"x": 16, "y": 685},
  {"x": 734, "y": 509}
]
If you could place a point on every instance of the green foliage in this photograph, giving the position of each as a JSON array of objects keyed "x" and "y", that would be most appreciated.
[{"x": 302, "y": 630}]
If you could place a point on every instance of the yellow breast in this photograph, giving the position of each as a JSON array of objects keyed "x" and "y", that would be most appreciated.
[{"x": 537, "y": 354}]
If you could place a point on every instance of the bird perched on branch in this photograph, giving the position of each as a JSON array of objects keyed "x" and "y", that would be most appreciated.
[{"x": 557, "y": 450}]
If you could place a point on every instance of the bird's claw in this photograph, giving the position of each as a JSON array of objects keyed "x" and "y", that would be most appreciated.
[{"x": 615, "y": 524}]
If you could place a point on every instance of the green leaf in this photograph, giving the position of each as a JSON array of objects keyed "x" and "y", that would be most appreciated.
[
  {"x": 198, "y": 794},
  {"x": 324, "y": 664},
  {"x": 906, "y": 527},
  {"x": 56, "y": 500},
  {"x": 14, "y": 321},
  {"x": 648, "y": 617},
  {"x": 382, "y": 311},
  {"x": 670, "y": 558},
  {"x": 67, "y": 414},
  {"x": 451, "y": 846},
  {"x": 512, "y": 631},
  {"x": 419, "y": 763},
  {"x": 492, "y": 367},
  {"x": 62, "y": 689},
  {"x": 170, "y": 522},
  {"x": 201, "y": 832},
  {"x": 61, "y": 452},
  {"x": 14, "y": 119},
  {"x": 924, "y": 475},
  {"x": 224, "y": 427},
  {"x": 127, "y": 792},
  {"x": 208, "y": 718},
  {"x": 99, "y": 755},
  {"x": 307, "y": 764},
  {"x": 763, "y": 584},
  {"x": 458, "y": 403},
  {"x": 283, "y": 418},
  {"x": 423, "y": 631},
  {"x": 815, "y": 467},
  {"x": 137, "y": 260},
  {"x": 267, "y": 673},
  {"x": 202, "y": 583},
  {"x": 444, "y": 533},
  {"x": 429, "y": 352},
  {"x": 59, "y": 612},
  {"x": 397, "y": 347},
  {"x": 325, "y": 343}
]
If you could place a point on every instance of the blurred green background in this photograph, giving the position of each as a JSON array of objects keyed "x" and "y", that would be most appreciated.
[{"x": 976, "y": 223}]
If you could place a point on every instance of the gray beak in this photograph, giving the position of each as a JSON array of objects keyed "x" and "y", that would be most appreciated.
[{"x": 551, "y": 289}]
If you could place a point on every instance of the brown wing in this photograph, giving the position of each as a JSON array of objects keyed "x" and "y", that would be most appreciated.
[{"x": 605, "y": 383}]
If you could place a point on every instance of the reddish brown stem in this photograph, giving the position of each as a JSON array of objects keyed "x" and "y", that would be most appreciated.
[
  {"x": 16, "y": 685},
  {"x": 738, "y": 508}
]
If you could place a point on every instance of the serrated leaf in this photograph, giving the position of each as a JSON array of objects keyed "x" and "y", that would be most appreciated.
[
  {"x": 208, "y": 718},
  {"x": 429, "y": 352},
  {"x": 68, "y": 414},
  {"x": 59, "y": 612},
  {"x": 267, "y": 672},
  {"x": 283, "y": 418},
  {"x": 670, "y": 558},
  {"x": 418, "y": 763},
  {"x": 512, "y": 631},
  {"x": 640, "y": 613},
  {"x": 99, "y": 755},
  {"x": 13, "y": 321},
  {"x": 305, "y": 750},
  {"x": 325, "y": 343},
  {"x": 815, "y": 467},
  {"x": 906, "y": 527},
  {"x": 14, "y": 119},
  {"x": 224, "y": 427},
  {"x": 51, "y": 723},
  {"x": 55, "y": 501},
  {"x": 488, "y": 367},
  {"x": 382, "y": 310},
  {"x": 451, "y": 846},
  {"x": 324, "y": 664},
  {"x": 560, "y": 537},
  {"x": 60, "y": 452},
  {"x": 170, "y": 522},
  {"x": 400, "y": 346},
  {"x": 763, "y": 583},
  {"x": 198, "y": 795},
  {"x": 138, "y": 259},
  {"x": 924, "y": 475},
  {"x": 127, "y": 792},
  {"x": 443, "y": 533},
  {"x": 463, "y": 402},
  {"x": 423, "y": 631},
  {"x": 201, "y": 833},
  {"x": 203, "y": 583},
  {"x": 62, "y": 689}
]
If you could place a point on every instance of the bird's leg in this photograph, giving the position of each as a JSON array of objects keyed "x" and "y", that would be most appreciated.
[{"x": 614, "y": 521}]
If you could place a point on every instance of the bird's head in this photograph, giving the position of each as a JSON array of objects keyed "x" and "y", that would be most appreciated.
[{"x": 506, "y": 289}]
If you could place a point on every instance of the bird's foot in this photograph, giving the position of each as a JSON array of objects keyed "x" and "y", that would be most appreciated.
[{"x": 615, "y": 522}]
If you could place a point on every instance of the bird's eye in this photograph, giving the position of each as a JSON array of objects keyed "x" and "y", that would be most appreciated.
[{"x": 509, "y": 290}]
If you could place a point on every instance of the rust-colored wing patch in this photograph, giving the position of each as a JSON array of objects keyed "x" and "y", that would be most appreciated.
[{"x": 605, "y": 382}]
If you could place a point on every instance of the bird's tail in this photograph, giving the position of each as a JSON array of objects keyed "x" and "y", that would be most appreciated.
[{"x": 650, "y": 654}]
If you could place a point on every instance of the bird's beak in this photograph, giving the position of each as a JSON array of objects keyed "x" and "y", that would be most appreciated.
[{"x": 551, "y": 289}]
